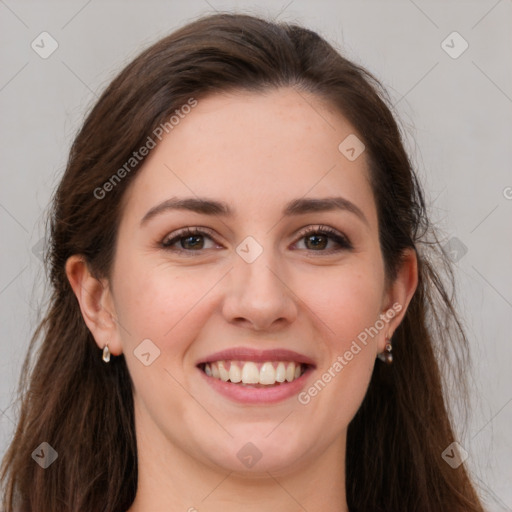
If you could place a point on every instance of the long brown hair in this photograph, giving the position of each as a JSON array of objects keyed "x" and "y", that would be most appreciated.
[{"x": 84, "y": 408}]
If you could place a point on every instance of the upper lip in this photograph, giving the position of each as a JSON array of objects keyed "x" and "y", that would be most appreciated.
[{"x": 250, "y": 354}]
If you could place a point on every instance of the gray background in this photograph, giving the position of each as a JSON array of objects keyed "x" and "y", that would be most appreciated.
[{"x": 456, "y": 112}]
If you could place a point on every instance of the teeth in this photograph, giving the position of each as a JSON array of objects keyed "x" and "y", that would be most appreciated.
[
  {"x": 281, "y": 372},
  {"x": 290, "y": 372},
  {"x": 248, "y": 372},
  {"x": 268, "y": 374},
  {"x": 224, "y": 375},
  {"x": 235, "y": 374}
]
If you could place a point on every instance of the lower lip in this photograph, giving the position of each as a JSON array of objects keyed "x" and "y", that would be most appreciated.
[{"x": 248, "y": 395}]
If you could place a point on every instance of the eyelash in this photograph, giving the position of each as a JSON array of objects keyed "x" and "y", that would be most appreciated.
[{"x": 341, "y": 240}]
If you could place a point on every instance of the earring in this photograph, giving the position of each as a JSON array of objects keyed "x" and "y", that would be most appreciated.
[
  {"x": 386, "y": 356},
  {"x": 106, "y": 353}
]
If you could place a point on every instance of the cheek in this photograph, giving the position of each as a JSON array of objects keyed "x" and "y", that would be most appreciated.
[
  {"x": 159, "y": 304},
  {"x": 155, "y": 301},
  {"x": 348, "y": 304},
  {"x": 348, "y": 301}
]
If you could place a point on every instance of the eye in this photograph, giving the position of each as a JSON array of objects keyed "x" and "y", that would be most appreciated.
[
  {"x": 188, "y": 239},
  {"x": 317, "y": 238}
]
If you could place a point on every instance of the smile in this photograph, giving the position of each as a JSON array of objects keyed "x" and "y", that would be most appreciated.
[
  {"x": 254, "y": 373},
  {"x": 253, "y": 376}
]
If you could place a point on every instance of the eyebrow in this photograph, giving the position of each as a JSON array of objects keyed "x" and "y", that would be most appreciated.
[{"x": 295, "y": 207}]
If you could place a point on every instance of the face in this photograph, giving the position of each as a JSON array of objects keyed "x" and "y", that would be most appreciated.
[{"x": 273, "y": 284}]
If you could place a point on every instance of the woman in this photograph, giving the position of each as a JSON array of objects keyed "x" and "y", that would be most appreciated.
[{"x": 244, "y": 308}]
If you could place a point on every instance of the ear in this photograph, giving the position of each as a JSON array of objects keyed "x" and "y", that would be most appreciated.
[
  {"x": 96, "y": 303},
  {"x": 399, "y": 294}
]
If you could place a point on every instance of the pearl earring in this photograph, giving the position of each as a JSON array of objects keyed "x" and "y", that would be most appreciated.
[
  {"x": 387, "y": 356},
  {"x": 106, "y": 353}
]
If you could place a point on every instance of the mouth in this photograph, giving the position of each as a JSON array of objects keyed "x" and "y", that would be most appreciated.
[
  {"x": 256, "y": 376},
  {"x": 253, "y": 373}
]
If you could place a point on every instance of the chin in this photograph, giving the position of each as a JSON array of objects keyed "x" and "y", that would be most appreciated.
[{"x": 258, "y": 455}]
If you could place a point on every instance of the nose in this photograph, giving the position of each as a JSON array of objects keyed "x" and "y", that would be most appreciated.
[{"x": 259, "y": 296}]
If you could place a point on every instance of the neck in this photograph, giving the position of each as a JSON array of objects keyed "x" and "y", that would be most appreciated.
[{"x": 170, "y": 479}]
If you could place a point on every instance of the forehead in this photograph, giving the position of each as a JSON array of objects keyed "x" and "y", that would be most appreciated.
[{"x": 252, "y": 149}]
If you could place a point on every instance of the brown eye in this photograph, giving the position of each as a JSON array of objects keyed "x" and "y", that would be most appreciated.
[
  {"x": 317, "y": 241},
  {"x": 188, "y": 240},
  {"x": 192, "y": 242}
]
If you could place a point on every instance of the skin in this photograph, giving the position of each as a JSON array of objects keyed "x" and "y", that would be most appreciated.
[{"x": 256, "y": 152}]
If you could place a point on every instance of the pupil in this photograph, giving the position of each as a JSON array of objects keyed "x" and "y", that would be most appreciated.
[
  {"x": 192, "y": 245},
  {"x": 315, "y": 238}
]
